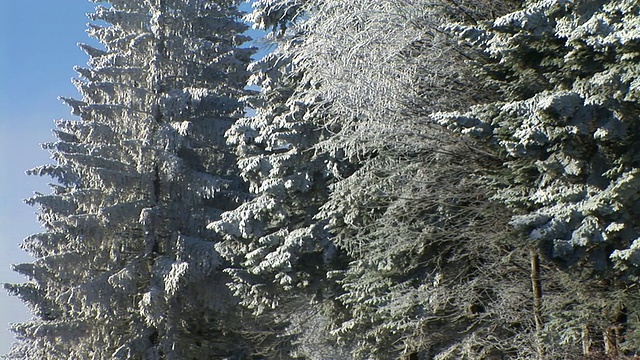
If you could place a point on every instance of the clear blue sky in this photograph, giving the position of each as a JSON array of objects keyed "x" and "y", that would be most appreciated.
[{"x": 37, "y": 54}]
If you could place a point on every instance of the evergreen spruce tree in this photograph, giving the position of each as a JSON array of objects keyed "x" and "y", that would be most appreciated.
[
  {"x": 566, "y": 127},
  {"x": 278, "y": 251},
  {"x": 126, "y": 268}
]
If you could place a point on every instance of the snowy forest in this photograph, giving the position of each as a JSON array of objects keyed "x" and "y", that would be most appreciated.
[{"x": 395, "y": 179}]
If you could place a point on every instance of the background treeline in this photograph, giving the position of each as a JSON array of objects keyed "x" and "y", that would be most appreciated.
[{"x": 417, "y": 179}]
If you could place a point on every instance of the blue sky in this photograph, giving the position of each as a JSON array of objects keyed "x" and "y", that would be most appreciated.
[{"x": 37, "y": 54}]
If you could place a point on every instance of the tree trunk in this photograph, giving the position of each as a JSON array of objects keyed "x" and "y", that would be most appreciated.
[
  {"x": 586, "y": 340},
  {"x": 537, "y": 300},
  {"x": 610, "y": 342}
]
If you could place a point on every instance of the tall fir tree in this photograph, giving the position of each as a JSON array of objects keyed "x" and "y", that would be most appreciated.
[
  {"x": 278, "y": 251},
  {"x": 566, "y": 127},
  {"x": 126, "y": 268}
]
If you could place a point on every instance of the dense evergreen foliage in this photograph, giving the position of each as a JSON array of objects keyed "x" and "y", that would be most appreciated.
[
  {"x": 566, "y": 128},
  {"x": 126, "y": 268},
  {"x": 396, "y": 179}
]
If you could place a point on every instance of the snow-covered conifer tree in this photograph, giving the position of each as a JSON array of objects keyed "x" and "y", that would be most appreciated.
[
  {"x": 278, "y": 251},
  {"x": 126, "y": 267},
  {"x": 567, "y": 129}
]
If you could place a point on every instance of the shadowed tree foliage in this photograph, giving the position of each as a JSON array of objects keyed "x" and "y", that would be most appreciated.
[{"x": 566, "y": 127}]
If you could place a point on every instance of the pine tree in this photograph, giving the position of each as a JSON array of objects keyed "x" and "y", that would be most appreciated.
[
  {"x": 126, "y": 267},
  {"x": 278, "y": 251},
  {"x": 566, "y": 127}
]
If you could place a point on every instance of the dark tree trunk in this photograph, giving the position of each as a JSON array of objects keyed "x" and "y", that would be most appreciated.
[{"x": 537, "y": 300}]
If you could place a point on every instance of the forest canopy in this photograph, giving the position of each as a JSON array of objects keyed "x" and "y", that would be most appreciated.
[{"x": 395, "y": 179}]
